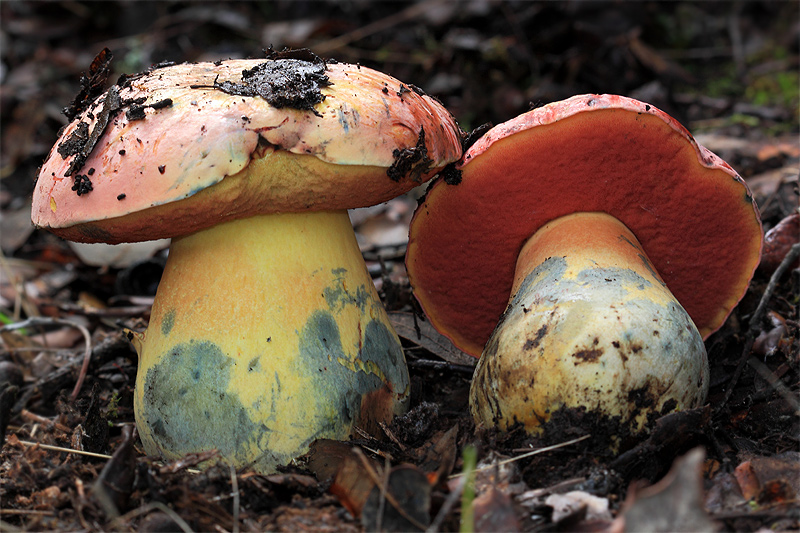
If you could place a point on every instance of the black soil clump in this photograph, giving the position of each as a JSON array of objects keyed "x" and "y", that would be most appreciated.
[
  {"x": 292, "y": 83},
  {"x": 413, "y": 162}
]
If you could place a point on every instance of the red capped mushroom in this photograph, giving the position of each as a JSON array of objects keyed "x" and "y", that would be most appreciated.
[
  {"x": 266, "y": 331},
  {"x": 589, "y": 248}
]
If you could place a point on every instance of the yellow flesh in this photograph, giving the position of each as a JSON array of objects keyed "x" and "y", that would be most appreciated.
[
  {"x": 590, "y": 324},
  {"x": 266, "y": 333}
]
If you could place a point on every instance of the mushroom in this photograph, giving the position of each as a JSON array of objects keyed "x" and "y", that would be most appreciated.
[
  {"x": 266, "y": 331},
  {"x": 588, "y": 250}
]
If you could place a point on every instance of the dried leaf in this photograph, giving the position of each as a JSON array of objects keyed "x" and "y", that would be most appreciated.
[
  {"x": 405, "y": 506},
  {"x": 114, "y": 485},
  {"x": 778, "y": 241},
  {"x": 330, "y": 459},
  {"x": 423, "y": 334},
  {"x": 16, "y": 228},
  {"x": 292, "y": 481},
  {"x": 770, "y": 479},
  {"x": 439, "y": 456},
  {"x": 494, "y": 511},
  {"x": 673, "y": 504}
]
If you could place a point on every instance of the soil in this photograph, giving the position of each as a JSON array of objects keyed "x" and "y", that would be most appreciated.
[{"x": 71, "y": 459}]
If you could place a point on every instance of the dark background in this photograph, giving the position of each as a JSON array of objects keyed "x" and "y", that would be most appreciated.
[
  {"x": 727, "y": 70},
  {"x": 730, "y": 65}
]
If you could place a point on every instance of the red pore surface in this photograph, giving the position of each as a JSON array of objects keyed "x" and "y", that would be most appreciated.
[{"x": 690, "y": 210}]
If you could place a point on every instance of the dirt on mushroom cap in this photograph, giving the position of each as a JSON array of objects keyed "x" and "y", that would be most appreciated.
[
  {"x": 202, "y": 134},
  {"x": 693, "y": 214}
]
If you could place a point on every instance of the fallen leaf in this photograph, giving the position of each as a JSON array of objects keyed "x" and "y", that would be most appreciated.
[
  {"x": 292, "y": 481},
  {"x": 494, "y": 511},
  {"x": 778, "y": 241},
  {"x": 49, "y": 498},
  {"x": 439, "y": 456},
  {"x": 340, "y": 463},
  {"x": 781, "y": 149},
  {"x": 352, "y": 485},
  {"x": 770, "y": 479},
  {"x": 768, "y": 183},
  {"x": 115, "y": 483},
  {"x": 748, "y": 483},
  {"x": 724, "y": 494},
  {"x": 16, "y": 228},
  {"x": 405, "y": 504},
  {"x": 424, "y": 335},
  {"x": 675, "y": 503}
]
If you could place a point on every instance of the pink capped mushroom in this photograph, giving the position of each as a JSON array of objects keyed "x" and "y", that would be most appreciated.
[{"x": 266, "y": 332}]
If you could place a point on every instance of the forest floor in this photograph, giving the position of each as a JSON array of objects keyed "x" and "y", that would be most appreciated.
[{"x": 70, "y": 458}]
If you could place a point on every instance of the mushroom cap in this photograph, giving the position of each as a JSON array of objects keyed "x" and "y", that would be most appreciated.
[
  {"x": 283, "y": 135},
  {"x": 693, "y": 214}
]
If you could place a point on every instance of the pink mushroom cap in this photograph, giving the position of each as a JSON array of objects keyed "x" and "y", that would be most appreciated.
[{"x": 175, "y": 152}]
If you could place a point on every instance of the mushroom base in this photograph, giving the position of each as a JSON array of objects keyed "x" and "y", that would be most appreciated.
[
  {"x": 590, "y": 326},
  {"x": 266, "y": 333}
]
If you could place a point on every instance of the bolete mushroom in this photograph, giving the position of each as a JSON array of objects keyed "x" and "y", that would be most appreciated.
[
  {"x": 588, "y": 250},
  {"x": 266, "y": 331}
]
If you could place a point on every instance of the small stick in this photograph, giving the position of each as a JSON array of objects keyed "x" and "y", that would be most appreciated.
[
  {"x": 758, "y": 316},
  {"x": 33, "y": 417},
  {"x": 66, "y": 450},
  {"x": 524, "y": 455},
  {"x": 391, "y": 436},
  {"x": 388, "y": 496},
  {"x": 384, "y": 491},
  {"x": 775, "y": 382},
  {"x": 448, "y": 504},
  {"x": 235, "y": 490},
  {"x": 146, "y": 509},
  {"x": 25, "y": 511}
]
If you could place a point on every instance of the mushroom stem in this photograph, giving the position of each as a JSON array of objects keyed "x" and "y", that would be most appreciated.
[
  {"x": 591, "y": 326},
  {"x": 266, "y": 333}
]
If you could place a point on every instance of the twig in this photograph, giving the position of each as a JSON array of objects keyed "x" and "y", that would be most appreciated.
[
  {"x": 66, "y": 450},
  {"x": 442, "y": 366},
  {"x": 146, "y": 509},
  {"x": 758, "y": 315},
  {"x": 376, "y": 479},
  {"x": 21, "y": 299},
  {"x": 384, "y": 490},
  {"x": 392, "y": 437},
  {"x": 448, "y": 505},
  {"x": 5, "y": 526},
  {"x": 529, "y": 454},
  {"x": 235, "y": 490},
  {"x": 36, "y": 419},
  {"x": 775, "y": 383},
  {"x": 49, "y": 321}
]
